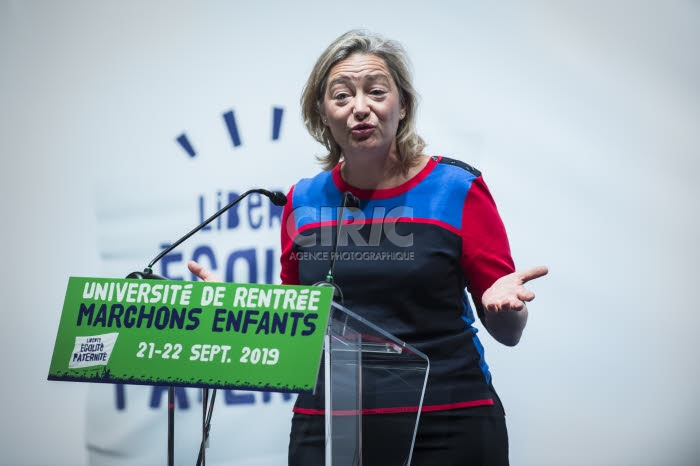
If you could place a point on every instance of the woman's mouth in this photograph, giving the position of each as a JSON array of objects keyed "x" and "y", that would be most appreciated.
[{"x": 362, "y": 129}]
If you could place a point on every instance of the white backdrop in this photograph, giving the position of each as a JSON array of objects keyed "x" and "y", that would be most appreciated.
[{"x": 583, "y": 116}]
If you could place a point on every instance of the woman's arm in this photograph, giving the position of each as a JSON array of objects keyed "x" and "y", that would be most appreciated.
[{"x": 495, "y": 286}]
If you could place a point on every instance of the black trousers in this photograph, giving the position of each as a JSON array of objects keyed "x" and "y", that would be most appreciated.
[{"x": 445, "y": 438}]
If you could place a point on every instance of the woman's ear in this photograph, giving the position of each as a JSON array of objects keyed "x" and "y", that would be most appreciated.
[{"x": 322, "y": 112}]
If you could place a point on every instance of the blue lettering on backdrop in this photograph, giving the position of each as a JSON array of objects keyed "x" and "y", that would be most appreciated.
[
  {"x": 253, "y": 258},
  {"x": 232, "y": 213},
  {"x": 180, "y": 397},
  {"x": 257, "y": 215},
  {"x": 248, "y": 255},
  {"x": 254, "y": 204},
  {"x": 167, "y": 260},
  {"x": 231, "y": 398},
  {"x": 182, "y": 401},
  {"x": 255, "y": 212}
]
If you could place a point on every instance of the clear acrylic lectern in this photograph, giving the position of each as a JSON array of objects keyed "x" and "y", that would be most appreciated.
[{"x": 369, "y": 371}]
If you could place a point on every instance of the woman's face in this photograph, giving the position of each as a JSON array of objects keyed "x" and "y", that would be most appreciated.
[{"x": 361, "y": 105}]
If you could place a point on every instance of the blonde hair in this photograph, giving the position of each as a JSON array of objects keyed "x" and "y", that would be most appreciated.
[{"x": 408, "y": 143}]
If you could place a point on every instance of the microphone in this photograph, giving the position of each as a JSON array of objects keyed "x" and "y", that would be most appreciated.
[
  {"x": 349, "y": 201},
  {"x": 276, "y": 197}
]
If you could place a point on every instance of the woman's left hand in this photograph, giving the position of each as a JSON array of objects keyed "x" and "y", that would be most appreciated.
[{"x": 509, "y": 293}]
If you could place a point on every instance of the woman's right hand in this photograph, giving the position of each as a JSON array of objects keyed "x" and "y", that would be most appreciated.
[{"x": 202, "y": 273}]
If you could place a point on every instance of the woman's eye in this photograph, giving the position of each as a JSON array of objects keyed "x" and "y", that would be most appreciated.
[
  {"x": 378, "y": 92},
  {"x": 341, "y": 96}
]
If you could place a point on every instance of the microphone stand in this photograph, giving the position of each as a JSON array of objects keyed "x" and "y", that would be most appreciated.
[
  {"x": 206, "y": 423},
  {"x": 278, "y": 199},
  {"x": 349, "y": 201}
]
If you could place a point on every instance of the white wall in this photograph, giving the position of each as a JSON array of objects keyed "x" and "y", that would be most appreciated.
[{"x": 583, "y": 116}]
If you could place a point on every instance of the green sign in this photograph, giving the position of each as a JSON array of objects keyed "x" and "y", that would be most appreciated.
[{"x": 218, "y": 335}]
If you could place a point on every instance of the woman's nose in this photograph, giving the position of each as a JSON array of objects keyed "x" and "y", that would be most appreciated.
[{"x": 361, "y": 107}]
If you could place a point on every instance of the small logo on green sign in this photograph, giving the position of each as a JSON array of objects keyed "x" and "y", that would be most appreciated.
[{"x": 94, "y": 350}]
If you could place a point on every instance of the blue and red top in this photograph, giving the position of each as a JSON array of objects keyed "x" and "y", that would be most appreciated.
[{"x": 406, "y": 260}]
